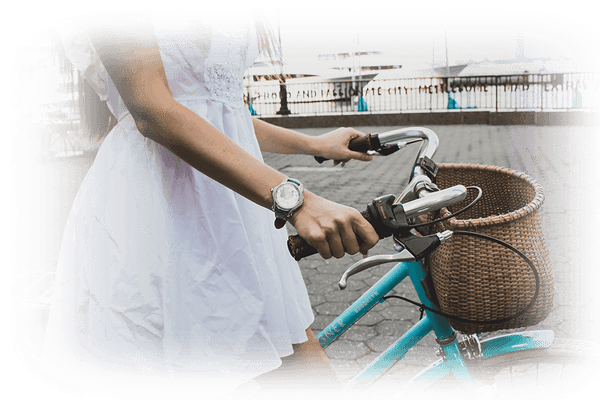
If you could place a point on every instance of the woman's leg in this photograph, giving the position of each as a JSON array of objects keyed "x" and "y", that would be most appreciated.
[{"x": 307, "y": 370}]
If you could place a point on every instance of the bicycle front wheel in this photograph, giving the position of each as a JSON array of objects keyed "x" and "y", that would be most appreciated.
[{"x": 567, "y": 366}]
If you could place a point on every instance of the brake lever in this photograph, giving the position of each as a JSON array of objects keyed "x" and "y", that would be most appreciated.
[
  {"x": 411, "y": 248},
  {"x": 373, "y": 261}
]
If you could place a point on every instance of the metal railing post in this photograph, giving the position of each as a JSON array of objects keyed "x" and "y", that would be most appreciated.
[{"x": 497, "y": 88}]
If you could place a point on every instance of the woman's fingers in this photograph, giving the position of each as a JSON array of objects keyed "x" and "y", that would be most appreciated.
[
  {"x": 356, "y": 235},
  {"x": 329, "y": 244},
  {"x": 357, "y": 155},
  {"x": 323, "y": 249},
  {"x": 312, "y": 234},
  {"x": 338, "y": 162},
  {"x": 336, "y": 245},
  {"x": 350, "y": 241},
  {"x": 334, "y": 145},
  {"x": 368, "y": 236},
  {"x": 365, "y": 234},
  {"x": 333, "y": 229}
]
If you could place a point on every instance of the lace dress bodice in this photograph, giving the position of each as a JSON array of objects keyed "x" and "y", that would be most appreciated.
[{"x": 204, "y": 62}]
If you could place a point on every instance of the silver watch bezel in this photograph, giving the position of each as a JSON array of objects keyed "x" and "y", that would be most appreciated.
[{"x": 284, "y": 212}]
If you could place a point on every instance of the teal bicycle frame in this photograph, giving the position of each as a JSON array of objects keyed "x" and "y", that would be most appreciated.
[{"x": 453, "y": 360}]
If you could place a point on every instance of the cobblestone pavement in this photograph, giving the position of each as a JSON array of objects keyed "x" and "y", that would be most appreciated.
[
  {"x": 552, "y": 155},
  {"x": 555, "y": 156}
]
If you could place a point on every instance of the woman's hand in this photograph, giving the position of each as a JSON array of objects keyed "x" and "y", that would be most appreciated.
[
  {"x": 331, "y": 228},
  {"x": 334, "y": 146}
]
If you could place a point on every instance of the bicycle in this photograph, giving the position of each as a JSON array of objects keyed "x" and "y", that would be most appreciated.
[{"x": 471, "y": 362}]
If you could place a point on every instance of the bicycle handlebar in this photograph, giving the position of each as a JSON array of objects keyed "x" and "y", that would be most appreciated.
[{"x": 424, "y": 195}]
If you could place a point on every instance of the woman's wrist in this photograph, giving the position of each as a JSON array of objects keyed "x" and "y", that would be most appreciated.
[
  {"x": 304, "y": 144},
  {"x": 314, "y": 146},
  {"x": 307, "y": 199}
]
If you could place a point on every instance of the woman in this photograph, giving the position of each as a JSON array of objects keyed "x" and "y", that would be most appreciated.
[{"x": 170, "y": 264}]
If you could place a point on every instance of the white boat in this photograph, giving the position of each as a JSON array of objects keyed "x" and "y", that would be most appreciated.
[{"x": 333, "y": 67}]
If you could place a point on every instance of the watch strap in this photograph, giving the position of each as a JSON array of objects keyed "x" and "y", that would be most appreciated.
[{"x": 279, "y": 223}]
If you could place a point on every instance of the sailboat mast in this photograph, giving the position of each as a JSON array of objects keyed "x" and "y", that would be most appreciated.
[{"x": 446, "y": 43}]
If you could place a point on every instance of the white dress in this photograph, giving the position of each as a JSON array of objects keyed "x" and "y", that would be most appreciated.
[{"x": 165, "y": 275}]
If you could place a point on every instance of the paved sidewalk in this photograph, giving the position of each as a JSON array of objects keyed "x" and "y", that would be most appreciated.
[{"x": 552, "y": 155}]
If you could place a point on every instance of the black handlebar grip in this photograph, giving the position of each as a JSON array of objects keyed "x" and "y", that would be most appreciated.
[
  {"x": 364, "y": 143},
  {"x": 299, "y": 249},
  {"x": 361, "y": 144}
]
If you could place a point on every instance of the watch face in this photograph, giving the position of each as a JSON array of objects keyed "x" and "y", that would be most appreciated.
[{"x": 287, "y": 196}]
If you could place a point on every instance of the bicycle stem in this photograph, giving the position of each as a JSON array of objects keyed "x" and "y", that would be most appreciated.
[{"x": 428, "y": 147}]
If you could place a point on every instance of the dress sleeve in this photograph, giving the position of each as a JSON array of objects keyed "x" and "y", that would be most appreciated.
[{"x": 85, "y": 59}]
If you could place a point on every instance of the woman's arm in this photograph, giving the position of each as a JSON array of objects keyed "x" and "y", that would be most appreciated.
[
  {"x": 332, "y": 145},
  {"x": 132, "y": 59}
]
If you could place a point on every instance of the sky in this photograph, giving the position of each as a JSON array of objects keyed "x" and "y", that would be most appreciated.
[
  {"x": 475, "y": 31},
  {"x": 414, "y": 32},
  {"x": 423, "y": 45}
]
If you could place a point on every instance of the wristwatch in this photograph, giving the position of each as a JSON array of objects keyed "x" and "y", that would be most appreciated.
[{"x": 287, "y": 197}]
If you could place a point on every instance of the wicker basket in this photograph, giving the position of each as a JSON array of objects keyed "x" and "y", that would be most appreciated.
[{"x": 480, "y": 280}]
